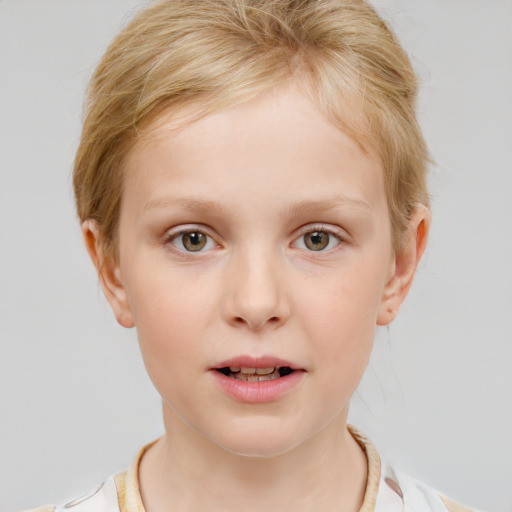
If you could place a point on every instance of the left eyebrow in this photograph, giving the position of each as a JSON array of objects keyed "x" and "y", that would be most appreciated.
[{"x": 323, "y": 205}]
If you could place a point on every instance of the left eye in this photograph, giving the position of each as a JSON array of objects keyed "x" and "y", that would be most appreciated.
[
  {"x": 317, "y": 240},
  {"x": 192, "y": 241}
]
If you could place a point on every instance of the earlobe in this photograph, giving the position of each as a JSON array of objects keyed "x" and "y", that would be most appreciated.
[
  {"x": 405, "y": 264},
  {"x": 108, "y": 272}
]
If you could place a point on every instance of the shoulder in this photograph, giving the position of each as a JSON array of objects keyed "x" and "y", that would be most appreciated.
[
  {"x": 120, "y": 493},
  {"x": 102, "y": 499},
  {"x": 393, "y": 491},
  {"x": 417, "y": 496}
]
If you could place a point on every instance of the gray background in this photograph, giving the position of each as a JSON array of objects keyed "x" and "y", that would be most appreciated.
[{"x": 75, "y": 403}]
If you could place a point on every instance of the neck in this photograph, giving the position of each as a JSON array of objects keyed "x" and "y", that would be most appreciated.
[{"x": 184, "y": 471}]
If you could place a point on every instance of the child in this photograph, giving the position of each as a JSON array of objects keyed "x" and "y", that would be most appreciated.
[{"x": 251, "y": 186}]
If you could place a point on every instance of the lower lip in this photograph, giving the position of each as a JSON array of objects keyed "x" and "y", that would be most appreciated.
[{"x": 259, "y": 391}]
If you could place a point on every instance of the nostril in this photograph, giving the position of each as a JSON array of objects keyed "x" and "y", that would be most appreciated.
[{"x": 256, "y": 322}]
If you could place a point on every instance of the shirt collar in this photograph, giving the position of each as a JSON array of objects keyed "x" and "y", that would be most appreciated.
[{"x": 130, "y": 498}]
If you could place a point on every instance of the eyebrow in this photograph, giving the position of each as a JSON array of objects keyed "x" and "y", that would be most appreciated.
[
  {"x": 330, "y": 203},
  {"x": 297, "y": 209},
  {"x": 187, "y": 203}
]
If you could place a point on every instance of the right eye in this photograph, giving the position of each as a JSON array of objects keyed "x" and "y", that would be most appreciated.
[{"x": 192, "y": 241}]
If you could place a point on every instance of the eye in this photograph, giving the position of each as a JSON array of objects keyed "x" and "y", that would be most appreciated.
[
  {"x": 192, "y": 241},
  {"x": 317, "y": 240}
]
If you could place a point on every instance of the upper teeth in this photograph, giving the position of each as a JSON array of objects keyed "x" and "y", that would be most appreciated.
[
  {"x": 248, "y": 370},
  {"x": 249, "y": 374}
]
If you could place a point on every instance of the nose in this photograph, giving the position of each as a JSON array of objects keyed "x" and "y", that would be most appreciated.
[{"x": 256, "y": 297}]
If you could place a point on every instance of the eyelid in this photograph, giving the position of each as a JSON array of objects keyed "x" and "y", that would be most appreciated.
[{"x": 328, "y": 228}]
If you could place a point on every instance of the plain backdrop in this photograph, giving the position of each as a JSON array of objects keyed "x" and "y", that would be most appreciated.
[{"x": 75, "y": 403}]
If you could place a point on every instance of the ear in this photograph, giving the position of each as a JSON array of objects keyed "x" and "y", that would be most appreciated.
[
  {"x": 108, "y": 272},
  {"x": 405, "y": 264}
]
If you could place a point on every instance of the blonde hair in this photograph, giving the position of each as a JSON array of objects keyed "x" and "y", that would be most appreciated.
[{"x": 217, "y": 53}]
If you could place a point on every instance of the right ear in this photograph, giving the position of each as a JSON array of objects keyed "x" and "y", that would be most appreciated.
[{"x": 109, "y": 273}]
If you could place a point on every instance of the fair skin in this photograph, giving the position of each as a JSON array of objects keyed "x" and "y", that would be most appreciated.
[{"x": 261, "y": 231}]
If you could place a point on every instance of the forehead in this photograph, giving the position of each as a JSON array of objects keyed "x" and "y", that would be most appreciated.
[{"x": 278, "y": 137}]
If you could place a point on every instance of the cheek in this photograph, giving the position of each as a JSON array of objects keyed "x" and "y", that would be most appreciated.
[
  {"x": 339, "y": 316},
  {"x": 344, "y": 304},
  {"x": 172, "y": 312}
]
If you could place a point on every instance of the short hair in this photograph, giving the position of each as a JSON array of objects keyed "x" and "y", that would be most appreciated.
[{"x": 217, "y": 53}]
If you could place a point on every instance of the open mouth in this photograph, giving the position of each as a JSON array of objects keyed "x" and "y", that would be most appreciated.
[{"x": 255, "y": 374}]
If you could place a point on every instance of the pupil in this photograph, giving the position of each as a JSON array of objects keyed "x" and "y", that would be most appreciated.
[
  {"x": 317, "y": 240},
  {"x": 317, "y": 237},
  {"x": 194, "y": 241}
]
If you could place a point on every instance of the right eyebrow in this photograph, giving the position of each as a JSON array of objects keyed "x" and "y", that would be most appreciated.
[{"x": 187, "y": 203}]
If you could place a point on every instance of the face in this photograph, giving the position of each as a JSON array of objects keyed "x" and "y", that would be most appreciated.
[{"x": 255, "y": 260}]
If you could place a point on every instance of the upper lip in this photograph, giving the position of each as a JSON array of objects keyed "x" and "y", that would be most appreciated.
[{"x": 256, "y": 362}]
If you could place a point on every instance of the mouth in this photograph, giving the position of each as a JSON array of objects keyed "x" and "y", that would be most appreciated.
[
  {"x": 252, "y": 374},
  {"x": 257, "y": 379}
]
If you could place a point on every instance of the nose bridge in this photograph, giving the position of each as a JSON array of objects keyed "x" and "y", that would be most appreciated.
[{"x": 256, "y": 296}]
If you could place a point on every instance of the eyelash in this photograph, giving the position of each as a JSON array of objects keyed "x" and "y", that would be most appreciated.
[{"x": 172, "y": 237}]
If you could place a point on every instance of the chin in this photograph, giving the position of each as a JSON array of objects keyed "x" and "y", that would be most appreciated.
[{"x": 258, "y": 440}]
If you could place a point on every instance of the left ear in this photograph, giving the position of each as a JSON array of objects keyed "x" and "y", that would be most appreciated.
[{"x": 405, "y": 264}]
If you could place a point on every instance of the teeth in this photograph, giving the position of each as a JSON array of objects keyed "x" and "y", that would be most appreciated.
[
  {"x": 252, "y": 374},
  {"x": 252, "y": 371},
  {"x": 254, "y": 377},
  {"x": 265, "y": 371}
]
